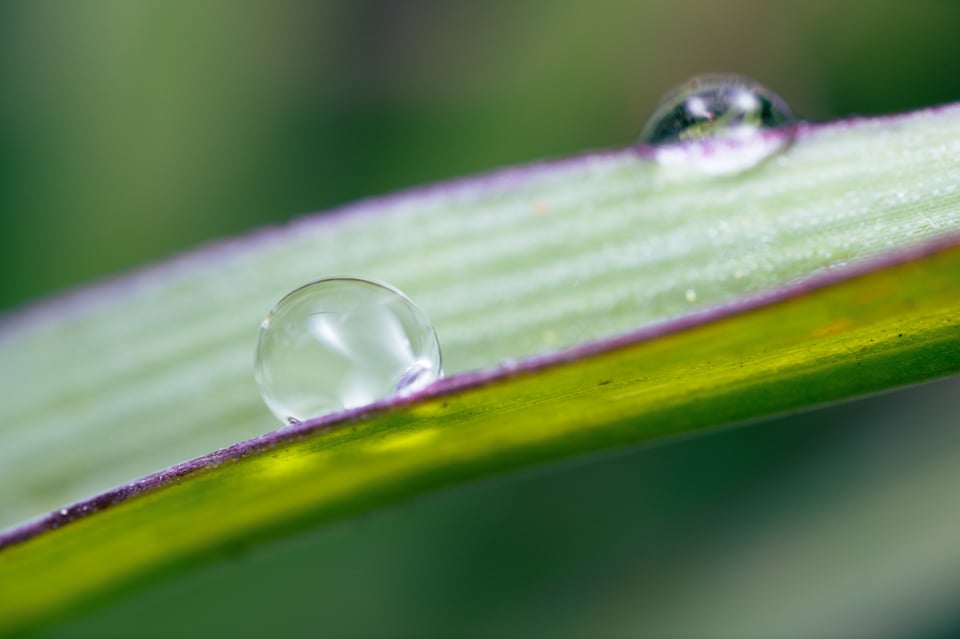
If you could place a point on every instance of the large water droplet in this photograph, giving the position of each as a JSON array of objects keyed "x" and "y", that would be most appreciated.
[
  {"x": 719, "y": 124},
  {"x": 340, "y": 343}
]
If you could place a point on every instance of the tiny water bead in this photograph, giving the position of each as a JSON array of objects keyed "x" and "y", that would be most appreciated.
[
  {"x": 339, "y": 343},
  {"x": 715, "y": 106},
  {"x": 718, "y": 123}
]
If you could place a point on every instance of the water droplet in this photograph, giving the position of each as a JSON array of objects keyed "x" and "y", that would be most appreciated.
[
  {"x": 340, "y": 343},
  {"x": 63, "y": 512},
  {"x": 690, "y": 295},
  {"x": 720, "y": 124}
]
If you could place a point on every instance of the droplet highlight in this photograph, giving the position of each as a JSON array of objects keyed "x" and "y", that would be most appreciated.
[
  {"x": 718, "y": 124},
  {"x": 340, "y": 343}
]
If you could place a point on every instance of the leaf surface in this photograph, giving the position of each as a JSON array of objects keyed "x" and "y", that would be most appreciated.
[{"x": 581, "y": 305}]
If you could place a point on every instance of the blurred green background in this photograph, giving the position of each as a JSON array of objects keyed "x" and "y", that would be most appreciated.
[{"x": 131, "y": 130}]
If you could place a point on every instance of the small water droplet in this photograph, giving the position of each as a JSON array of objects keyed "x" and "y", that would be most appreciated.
[
  {"x": 719, "y": 124},
  {"x": 690, "y": 295},
  {"x": 63, "y": 512},
  {"x": 340, "y": 343}
]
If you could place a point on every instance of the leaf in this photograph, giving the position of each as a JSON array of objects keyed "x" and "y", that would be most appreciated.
[
  {"x": 834, "y": 521},
  {"x": 136, "y": 374}
]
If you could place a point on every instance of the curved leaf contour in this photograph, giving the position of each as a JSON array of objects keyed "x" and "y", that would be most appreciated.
[{"x": 604, "y": 300}]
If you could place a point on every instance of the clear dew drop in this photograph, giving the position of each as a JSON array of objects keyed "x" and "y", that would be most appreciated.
[
  {"x": 718, "y": 124},
  {"x": 340, "y": 343}
]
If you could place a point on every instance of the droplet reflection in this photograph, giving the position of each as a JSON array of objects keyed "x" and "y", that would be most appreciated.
[
  {"x": 341, "y": 343},
  {"x": 719, "y": 124}
]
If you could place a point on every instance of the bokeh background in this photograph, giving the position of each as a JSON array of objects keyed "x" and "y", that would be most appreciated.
[
  {"x": 130, "y": 130},
  {"x": 133, "y": 129}
]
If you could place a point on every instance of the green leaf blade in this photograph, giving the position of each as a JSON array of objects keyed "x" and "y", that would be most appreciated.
[
  {"x": 155, "y": 368},
  {"x": 745, "y": 365}
]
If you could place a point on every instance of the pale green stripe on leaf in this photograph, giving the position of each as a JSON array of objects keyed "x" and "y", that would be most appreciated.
[{"x": 570, "y": 253}]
